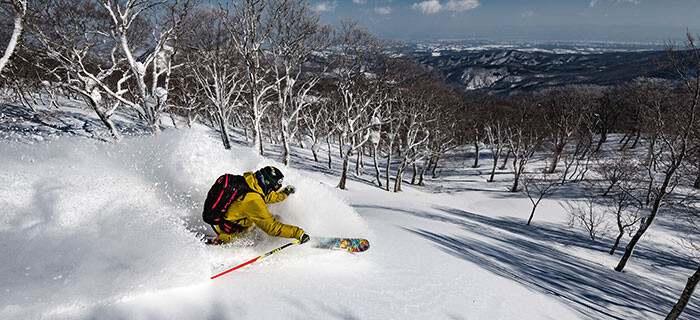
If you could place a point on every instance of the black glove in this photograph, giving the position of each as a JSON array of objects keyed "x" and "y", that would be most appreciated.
[
  {"x": 288, "y": 190},
  {"x": 304, "y": 238}
]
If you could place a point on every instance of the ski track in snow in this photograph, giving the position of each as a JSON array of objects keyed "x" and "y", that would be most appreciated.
[{"x": 98, "y": 230}]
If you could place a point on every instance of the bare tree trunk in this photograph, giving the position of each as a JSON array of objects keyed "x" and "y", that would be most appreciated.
[
  {"x": 493, "y": 169},
  {"x": 362, "y": 157},
  {"x": 172, "y": 117},
  {"x": 425, "y": 168},
  {"x": 626, "y": 139},
  {"x": 270, "y": 136},
  {"x": 617, "y": 242},
  {"x": 286, "y": 155},
  {"x": 685, "y": 296},
  {"x": 110, "y": 126},
  {"x": 375, "y": 151},
  {"x": 435, "y": 165},
  {"x": 636, "y": 139},
  {"x": 344, "y": 175},
  {"x": 557, "y": 155},
  {"x": 300, "y": 139},
  {"x": 652, "y": 147},
  {"x": 104, "y": 115},
  {"x": 532, "y": 214},
  {"x": 476, "y": 154},
  {"x": 224, "y": 132},
  {"x": 605, "y": 194},
  {"x": 603, "y": 139},
  {"x": 340, "y": 146},
  {"x": 415, "y": 173},
  {"x": 505, "y": 161},
  {"x": 313, "y": 151},
  {"x": 189, "y": 120},
  {"x": 399, "y": 178},
  {"x": 257, "y": 137},
  {"x": 330, "y": 158},
  {"x": 516, "y": 183},
  {"x": 647, "y": 221},
  {"x": 388, "y": 167}
]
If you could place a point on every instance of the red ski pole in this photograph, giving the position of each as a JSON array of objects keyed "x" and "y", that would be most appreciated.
[{"x": 255, "y": 259}]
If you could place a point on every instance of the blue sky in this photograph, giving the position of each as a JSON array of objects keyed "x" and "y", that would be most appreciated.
[{"x": 604, "y": 20}]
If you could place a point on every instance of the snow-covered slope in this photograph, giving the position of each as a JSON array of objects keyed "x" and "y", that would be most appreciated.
[
  {"x": 88, "y": 223},
  {"x": 95, "y": 230}
]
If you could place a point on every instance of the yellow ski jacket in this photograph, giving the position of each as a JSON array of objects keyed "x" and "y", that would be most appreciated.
[{"x": 251, "y": 210}]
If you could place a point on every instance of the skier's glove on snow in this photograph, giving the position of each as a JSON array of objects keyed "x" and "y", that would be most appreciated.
[
  {"x": 288, "y": 190},
  {"x": 304, "y": 238}
]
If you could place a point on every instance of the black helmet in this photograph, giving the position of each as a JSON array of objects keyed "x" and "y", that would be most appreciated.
[{"x": 269, "y": 178}]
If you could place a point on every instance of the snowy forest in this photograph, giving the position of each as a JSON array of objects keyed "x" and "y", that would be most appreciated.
[{"x": 268, "y": 75}]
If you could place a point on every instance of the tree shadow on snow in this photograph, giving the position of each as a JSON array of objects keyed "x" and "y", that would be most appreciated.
[
  {"x": 533, "y": 256},
  {"x": 47, "y": 122}
]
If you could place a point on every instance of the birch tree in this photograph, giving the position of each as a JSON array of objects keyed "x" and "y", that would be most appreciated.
[
  {"x": 151, "y": 71},
  {"x": 587, "y": 214},
  {"x": 607, "y": 114},
  {"x": 691, "y": 244},
  {"x": 413, "y": 136},
  {"x": 444, "y": 132},
  {"x": 354, "y": 48},
  {"x": 294, "y": 39},
  {"x": 623, "y": 205},
  {"x": 565, "y": 110},
  {"x": 677, "y": 126},
  {"x": 19, "y": 9},
  {"x": 78, "y": 54},
  {"x": 524, "y": 136},
  {"x": 319, "y": 120},
  {"x": 474, "y": 105},
  {"x": 216, "y": 71},
  {"x": 494, "y": 131},
  {"x": 250, "y": 27},
  {"x": 538, "y": 187}
]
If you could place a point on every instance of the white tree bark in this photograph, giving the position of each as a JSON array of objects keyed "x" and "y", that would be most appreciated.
[
  {"x": 250, "y": 30},
  {"x": 70, "y": 49},
  {"x": 295, "y": 36},
  {"x": 151, "y": 97},
  {"x": 20, "y": 7},
  {"x": 221, "y": 85}
]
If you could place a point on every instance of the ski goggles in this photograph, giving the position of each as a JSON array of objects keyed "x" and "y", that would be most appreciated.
[
  {"x": 278, "y": 185},
  {"x": 272, "y": 182}
]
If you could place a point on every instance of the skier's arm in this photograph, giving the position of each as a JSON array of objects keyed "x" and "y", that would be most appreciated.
[
  {"x": 275, "y": 196},
  {"x": 258, "y": 213}
]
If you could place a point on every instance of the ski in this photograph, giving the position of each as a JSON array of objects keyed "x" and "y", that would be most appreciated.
[{"x": 349, "y": 244}]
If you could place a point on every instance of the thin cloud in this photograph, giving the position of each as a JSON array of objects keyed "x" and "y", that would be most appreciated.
[
  {"x": 325, "y": 6},
  {"x": 527, "y": 14},
  {"x": 435, "y": 6},
  {"x": 359, "y": 1},
  {"x": 594, "y": 2},
  {"x": 461, "y": 5},
  {"x": 382, "y": 10}
]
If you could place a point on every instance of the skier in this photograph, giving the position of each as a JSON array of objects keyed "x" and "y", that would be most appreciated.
[{"x": 263, "y": 187}]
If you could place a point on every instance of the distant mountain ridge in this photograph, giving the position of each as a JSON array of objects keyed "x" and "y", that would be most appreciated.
[{"x": 509, "y": 71}]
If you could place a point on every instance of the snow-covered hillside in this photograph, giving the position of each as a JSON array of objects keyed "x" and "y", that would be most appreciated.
[{"x": 101, "y": 230}]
